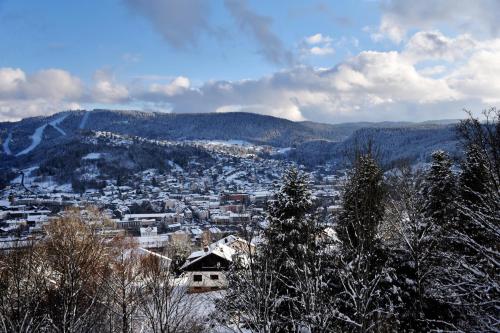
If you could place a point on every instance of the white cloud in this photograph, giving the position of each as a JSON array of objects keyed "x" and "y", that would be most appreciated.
[
  {"x": 43, "y": 92},
  {"x": 52, "y": 84},
  {"x": 318, "y": 39},
  {"x": 176, "y": 86},
  {"x": 480, "y": 77},
  {"x": 10, "y": 81},
  {"x": 432, "y": 70},
  {"x": 434, "y": 76},
  {"x": 427, "y": 45},
  {"x": 107, "y": 90},
  {"x": 369, "y": 86},
  {"x": 317, "y": 45},
  {"x": 478, "y": 17},
  {"x": 321, "y": 50}
]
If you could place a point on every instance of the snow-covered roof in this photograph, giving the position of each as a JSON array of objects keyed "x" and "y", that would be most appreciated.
[{"x": 219, "y": 250}]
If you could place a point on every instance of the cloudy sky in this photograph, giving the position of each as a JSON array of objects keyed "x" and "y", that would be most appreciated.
[{"x": 328, "y": 61}]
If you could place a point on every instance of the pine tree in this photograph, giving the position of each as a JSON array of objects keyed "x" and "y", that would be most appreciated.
[
  {"x": 474, "y": 282},
  {"x": 278, "y": 290},
  {"x": 363, "y": 208},
  {"x": 439, "y": 210},
  {"x": 290, "y": 241},
  {"x": 473, "y": 182},
  {"x": 361, "y": 261},
  {"x": 474, "y": 185},
  {"x": 440, "y": 190},
  {"x": 412, "y": 238}
]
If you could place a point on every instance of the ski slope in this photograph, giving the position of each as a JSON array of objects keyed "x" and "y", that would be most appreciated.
[
  {"x": 84, "y": 120},
  {"x": 5, "y": 145},
  {"x": 56, "y": 122},
  {"x": 36, "y": 138}
]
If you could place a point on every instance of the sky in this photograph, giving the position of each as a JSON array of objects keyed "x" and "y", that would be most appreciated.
[{"x": 326, "y": 61}]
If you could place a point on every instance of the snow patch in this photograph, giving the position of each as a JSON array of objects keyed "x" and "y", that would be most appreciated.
[
  {"x": 92, "y": 156},
  {"x": 84, "y": 120},
  {"x": 6, "y": 143},
  {"x": 226, "y": 142},
  {"x": 56, "y": 122},
  {"x": 284, "y": 150},
  {"x": 36, "y": 138}
]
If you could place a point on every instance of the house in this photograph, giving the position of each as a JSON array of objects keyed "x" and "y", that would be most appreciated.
[{"x": 204, "y": 270}]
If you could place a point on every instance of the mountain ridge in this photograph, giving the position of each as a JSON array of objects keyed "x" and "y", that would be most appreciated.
[{"x": 314, "y": 142}]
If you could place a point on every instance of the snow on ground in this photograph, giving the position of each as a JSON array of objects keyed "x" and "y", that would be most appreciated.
[
  {"x": 284, "y": 150},
  {"x": 6, "y": 143},
  {"x": 36, "y": 138},
  {"x": 175, "y": 166},
  {"x": 47, "y": 185},
  {"x": 27, "y": 176},
  {"x": 92, "y": 156},
  {"x": 226, "y": 142},
  {"x": 84, "y": 120},
  {"x": 54, "y": 123}
]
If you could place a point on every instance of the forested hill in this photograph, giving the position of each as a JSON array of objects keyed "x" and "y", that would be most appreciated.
[
  {"x": 314, "y": 142},
  {"x": 254, "y": 128}
]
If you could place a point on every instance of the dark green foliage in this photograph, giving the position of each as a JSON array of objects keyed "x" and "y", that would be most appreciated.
[
  {"x": 290, "y": 238},
  {"x": 440, "y": 190},
  {"x": 363, "y": 206},
  {"x": 474, "y": 180},
  {"x": 365, "y": 301}
]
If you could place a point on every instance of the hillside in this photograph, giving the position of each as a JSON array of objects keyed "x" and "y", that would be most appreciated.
[{"x": 27, "y": 142}]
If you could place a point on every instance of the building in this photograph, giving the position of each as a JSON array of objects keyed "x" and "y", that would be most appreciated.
[{"x": 204, "y": 270}]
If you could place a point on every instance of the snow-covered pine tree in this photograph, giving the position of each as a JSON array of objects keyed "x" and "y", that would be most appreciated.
[
  {"x": 290, "y": 242},
  {"x": 474, "y": 180},
  {"x": 440, "y": 190},
  {"x": 361, "y": 261},
  {"x": 412, "y": 239},
  {"x": 283, "y": 288},
  {"x": 439, "y": 193},
  {"x": 474, "y": 185},
  {"x": 474, "y": 283}
]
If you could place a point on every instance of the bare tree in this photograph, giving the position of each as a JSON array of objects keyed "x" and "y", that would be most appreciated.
[
  {"x": 78, "y": 264},
  {"x": 22, "y": 287},
  {"x": 252, "y": 297},
  {"x": 123, "y": 284},
  {"x": 165, "y": 303}
]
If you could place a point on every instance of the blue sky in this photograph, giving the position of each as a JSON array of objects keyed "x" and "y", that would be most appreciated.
[{"x": 329, "y": 61}]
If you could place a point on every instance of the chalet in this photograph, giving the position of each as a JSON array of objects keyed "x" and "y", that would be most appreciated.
[{"x": 204, "y": 270}]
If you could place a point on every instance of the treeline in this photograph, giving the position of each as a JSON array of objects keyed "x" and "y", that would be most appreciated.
[
  {"x": 396, "y": 146},
  {"x": 408, "y": 252},
  {"x": 75, "y": 280}
]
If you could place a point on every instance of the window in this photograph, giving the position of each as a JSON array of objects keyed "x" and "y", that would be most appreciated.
[
  {"x": 197, "y": 278},
  {"x": 214, "y": 277}
]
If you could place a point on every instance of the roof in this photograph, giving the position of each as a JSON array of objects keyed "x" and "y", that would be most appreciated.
[{"x": 220, "y": 250}]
